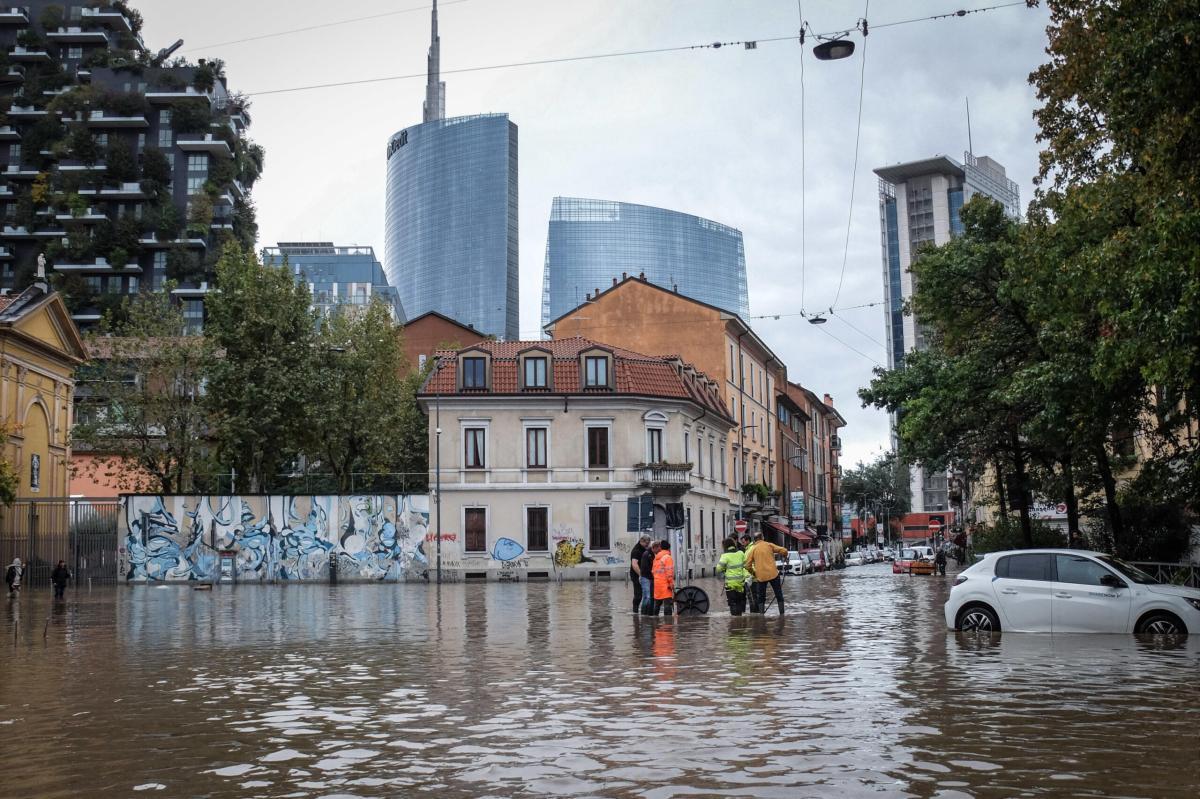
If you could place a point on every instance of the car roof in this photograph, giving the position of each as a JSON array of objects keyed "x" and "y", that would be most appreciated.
[{"x": 1047, "y": 551}]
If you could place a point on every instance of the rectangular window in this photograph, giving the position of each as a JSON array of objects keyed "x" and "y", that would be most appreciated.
[
  {"x": 101, "y": 139},
  {"x": 193, "y": 317},
  {"x": 702, "y": 528},
  {"x": 198, "y": 162},
  {"x": 712, "y": 469},
  {"x": 165, "y": 140},
  {"x": 75, "y": 53},
  {"x": 597, "y": 447},
  {"x": 164, "y": 116},
  {"x": 654, "y": 449},
  {"x": 475, "y": 447},
  {"x": 141, "y": 143},
  {"x": 537, "y": 529},
  {"x": 475, "y": 532},
  {"x": 723, "y": 464},
  {"x": 14, "y": 154},
  {"x": 597, "y": 371},
  {"x": 535, "y": 447},
  {"x": 535, "y": 373},
  {"x": 598, "y": 538},
  {"x": 474, "y": 372},
  {"x": 195, "y": 184},
  {"x": 687, "y": 447}
]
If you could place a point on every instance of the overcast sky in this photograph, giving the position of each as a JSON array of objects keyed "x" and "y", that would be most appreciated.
[{"x": 709, "y": 132}]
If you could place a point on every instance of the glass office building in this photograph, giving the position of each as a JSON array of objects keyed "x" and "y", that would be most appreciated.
[
  {"x": 451, "y": 225},
  {"x": 590, "y": 242},
  {"x": 920, "y": 203},
  {"x": 337, "y": 277}
]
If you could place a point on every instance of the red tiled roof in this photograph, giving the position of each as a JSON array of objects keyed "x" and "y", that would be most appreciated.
[
  {"x": 6, "y": 301},
  {"x": 634, "y": 373}
]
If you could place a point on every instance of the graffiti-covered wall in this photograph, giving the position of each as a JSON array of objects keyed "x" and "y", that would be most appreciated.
[{"x": 274, "y": 538}]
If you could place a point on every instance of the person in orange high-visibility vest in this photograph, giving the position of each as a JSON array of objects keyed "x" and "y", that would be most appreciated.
[{"x": 664, "y": 580}]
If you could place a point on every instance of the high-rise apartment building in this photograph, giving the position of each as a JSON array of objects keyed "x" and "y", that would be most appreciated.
[
  {"x": 451, "y": 216},
  {"x": 337, "y": 277},
  {"x": 590, "y": 242},
  {"x": 121, "y": 170},
  {"x": 919, "y": 204}
]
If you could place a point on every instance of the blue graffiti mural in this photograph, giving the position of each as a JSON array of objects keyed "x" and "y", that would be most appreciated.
[
  {"x": 284, "y": 538},
  {"x": 507, "y": 549}
]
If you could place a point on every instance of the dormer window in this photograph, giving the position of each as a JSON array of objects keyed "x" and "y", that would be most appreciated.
[
  {"x": 596, "y": 371},
  {"x": 474, "y": 372},
  {"x": 535, "y": 372}
]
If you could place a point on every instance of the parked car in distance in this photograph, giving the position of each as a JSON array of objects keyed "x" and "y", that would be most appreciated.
[
  {"x": 889, "y": 555},
  {"x": 1067, "y": 591},
  {"x": 913, "y": 560},
  {"x": 797, "y": 564},
  {"x": 854, "y": 559},
  {"x": 817, "y": 560}
]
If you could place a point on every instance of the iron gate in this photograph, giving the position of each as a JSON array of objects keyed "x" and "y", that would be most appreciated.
[{"x": 41, "y": 532}]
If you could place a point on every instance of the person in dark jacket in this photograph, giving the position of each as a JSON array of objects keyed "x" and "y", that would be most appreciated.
[
  {"x": 646, "y": 570},
  {"x": 59, "y": 578},
  {"x": 635, "y": 571}
]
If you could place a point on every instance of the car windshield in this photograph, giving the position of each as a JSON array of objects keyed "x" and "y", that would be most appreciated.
[
  {"x": 908, "y": 554},
  {"x": 1130, "y": 571}
]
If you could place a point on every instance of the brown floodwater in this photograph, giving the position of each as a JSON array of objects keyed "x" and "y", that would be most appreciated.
[{"x": 544, "y": 690}]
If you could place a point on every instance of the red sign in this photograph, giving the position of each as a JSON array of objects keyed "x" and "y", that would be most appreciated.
[
  {"x": 935, "y": 526},
  {"x": 740, "y": 526}
]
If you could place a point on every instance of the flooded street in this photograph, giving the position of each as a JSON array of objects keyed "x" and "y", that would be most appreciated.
[{"x": 544, "y": 690}]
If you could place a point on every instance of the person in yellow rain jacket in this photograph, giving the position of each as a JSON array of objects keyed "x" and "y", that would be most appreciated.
[
  {"x": 760, "y": 561},
  {"x": 664, "y": 579},
  {"x": 733, "y": 565}
]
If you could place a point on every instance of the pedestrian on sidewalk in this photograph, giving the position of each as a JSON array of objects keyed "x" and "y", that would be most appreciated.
[
  {"x": 733, "y": 565},
  {"x": 664, "y": 579},
  {"x": 745, "y": 544},
  {"x": 646, "y": 573},
  {"x": 761, "y": 564},
  {"x": 59, "y": 578},
  {"x": 635, "y": 570},
  {"x": 12, "y": 577}
]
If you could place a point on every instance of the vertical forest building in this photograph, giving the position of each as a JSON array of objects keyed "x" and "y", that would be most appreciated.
[{"x": 125, "y": 168}]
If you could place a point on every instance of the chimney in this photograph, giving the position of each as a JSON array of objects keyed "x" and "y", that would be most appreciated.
[
  {"x": 597, "y": 293},
  {"x": 829, "y": 400},
  {"x": 624, "y": 276},
  {"x": 641, "y": 276},
  {"x": 675, "y": 288},
  {"x": 614, "y": 282}
]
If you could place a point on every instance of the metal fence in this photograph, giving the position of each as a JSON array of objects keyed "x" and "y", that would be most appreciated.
[
  {"x": 41, "y": 532},
  {"x": 1182, "y": 574}
]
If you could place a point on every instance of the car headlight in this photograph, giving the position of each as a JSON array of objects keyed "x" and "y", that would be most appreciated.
[
  {"x": 1193, "y": 602},
  {"x": 962, "y": 578}
]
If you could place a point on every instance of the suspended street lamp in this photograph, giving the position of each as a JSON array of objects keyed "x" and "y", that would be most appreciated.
[{"x": 834, "y": 50}]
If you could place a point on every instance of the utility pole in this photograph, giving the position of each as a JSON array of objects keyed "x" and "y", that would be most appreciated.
[{"x": 437, "y": 481}]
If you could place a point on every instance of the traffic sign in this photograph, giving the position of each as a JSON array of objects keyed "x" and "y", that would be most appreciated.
[
  {"x": 935, "y": 526},
  {"x": 740, "y": 526}
]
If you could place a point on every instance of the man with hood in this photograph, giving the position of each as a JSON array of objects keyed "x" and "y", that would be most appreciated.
[
  {"x": 59, "y": 578},
  {"x": 12, "y": 577}
]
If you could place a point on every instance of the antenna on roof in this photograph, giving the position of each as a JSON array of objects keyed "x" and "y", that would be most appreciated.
[{"x": 970, "y": 146}]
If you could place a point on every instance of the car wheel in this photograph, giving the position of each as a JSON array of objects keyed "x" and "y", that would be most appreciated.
[
  {"x": 1161, "y": 624},
  {"x": 978, "y": 618}
]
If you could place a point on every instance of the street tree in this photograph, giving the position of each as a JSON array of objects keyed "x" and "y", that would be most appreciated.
[
  {"x": 879, "y": 487},
  {"x": 263, "y": 384},
  {"x": 140, "y": 405}
]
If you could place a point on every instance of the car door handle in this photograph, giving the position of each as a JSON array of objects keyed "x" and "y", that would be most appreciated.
[
  {"x": 1009, "y": 591},
  {"x": 1062, "y": 595}
]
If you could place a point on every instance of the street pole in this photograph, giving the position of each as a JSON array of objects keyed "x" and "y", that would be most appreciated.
[{"x": 437, "y": 480}]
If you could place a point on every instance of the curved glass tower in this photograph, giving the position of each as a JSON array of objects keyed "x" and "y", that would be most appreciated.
[
  {"x": 593, "y": 241},
  {"x": 450, "y": 229}
]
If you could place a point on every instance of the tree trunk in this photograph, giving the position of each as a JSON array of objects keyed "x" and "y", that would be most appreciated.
[
  {"x": 1021, "y": 499},
  {"x": 1110, "y": 496},
  {"x": 1000, "y": 490},
  {"x": 1072, "y": 501}
]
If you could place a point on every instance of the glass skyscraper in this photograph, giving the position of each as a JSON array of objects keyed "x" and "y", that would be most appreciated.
[
  {"x": 919, "y": 204},
  {"x": 338, "y": 277},
  {"x": 451, "y": 238},
  {"x": 590, "y": 242}
]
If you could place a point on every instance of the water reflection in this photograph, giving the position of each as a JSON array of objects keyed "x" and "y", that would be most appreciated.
[{"x": 548, "y": 690}]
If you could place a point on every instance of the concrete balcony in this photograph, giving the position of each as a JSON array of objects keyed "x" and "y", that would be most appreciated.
[
  {"x": 668, "y": 476},
  {"x": 11, "y": 232},
  {"x": 164, "y": 96},
  {"x": 90, "y": 217},
  {"x": 110, "y": 18},
  {"x": 77, "y": 35},
  {"x": 75, "y": 166},
  {"x": 15, "y": 172},
  {"x": 8, "y": 133},
  {"x": 155, "y": 243},
  {"x": 101, "y": 119},
  {"x": 13, "y": 16},
  {"x": 30, "y": 56},
  {"x": 126, "y": 191},
  {"x": 26, "y": 112},
  {"x": 100, "y": 265},
  {"x": 15, "y": 74},
  {"x": 203, "y": 143}
]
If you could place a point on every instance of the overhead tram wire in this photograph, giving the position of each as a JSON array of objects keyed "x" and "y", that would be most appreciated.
[
  {"x": 859, "y": 330},
  {"x": 320, "y": 26},
  {"x": 748, "y": 43},
  {"x": 803, "y": 165},
  {"x": 862, "y": 82}
]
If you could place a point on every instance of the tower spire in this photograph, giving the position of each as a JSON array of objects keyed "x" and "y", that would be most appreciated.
[{"x": 435, "y": 89}]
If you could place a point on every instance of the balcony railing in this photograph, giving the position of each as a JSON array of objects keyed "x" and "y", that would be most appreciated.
[
  {"x": 835, "y": 442},
  {"x": 664, "y": 475}
]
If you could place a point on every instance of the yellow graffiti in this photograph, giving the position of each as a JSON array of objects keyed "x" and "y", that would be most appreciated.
[{"x": 569, "y": 553}]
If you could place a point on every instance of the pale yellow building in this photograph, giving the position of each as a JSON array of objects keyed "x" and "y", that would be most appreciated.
[{"x": 40, "y": 348}]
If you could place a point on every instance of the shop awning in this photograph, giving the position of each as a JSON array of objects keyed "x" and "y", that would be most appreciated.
[{"x": 803, "y": 538}]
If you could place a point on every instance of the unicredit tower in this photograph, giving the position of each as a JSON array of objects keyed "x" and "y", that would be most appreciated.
[{"x": 451, "y": 218}]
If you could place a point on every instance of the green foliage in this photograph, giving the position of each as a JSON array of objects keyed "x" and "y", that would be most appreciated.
[
  {"x": 31, "y": 39},
  {"x": 1007, "y": 534},
  {"x": 260, "y": 390},
  {"x": 756, "y": 490},
  {"x": 251, "y": 159},
  {"x": 77, "y": 205},
  {"x": 200, "y": 215},
  {"x": 52, "y": 17},
  {"x": 119, "y": 163},
  {"x": 184, "y": 266},
  {"x": 167, "y": 221},
  {"x": 156, "y": 171},
  {"x": 143, "y": 414},
  {"x": 878, "y": 487},
  {"x": 10, "y": 481},
  {"x": 191, "y": 116},
  {"x": 207, "y": 75},
  {"x": 360, "y": 401},
  {"x": 245, "y": 223}
]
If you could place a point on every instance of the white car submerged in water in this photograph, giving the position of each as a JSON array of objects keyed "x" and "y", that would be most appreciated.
[{"x": 1067, "y": 591}]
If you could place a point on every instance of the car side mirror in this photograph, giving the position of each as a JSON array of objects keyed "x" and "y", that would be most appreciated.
[{"x": 1112, "y": 581}]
